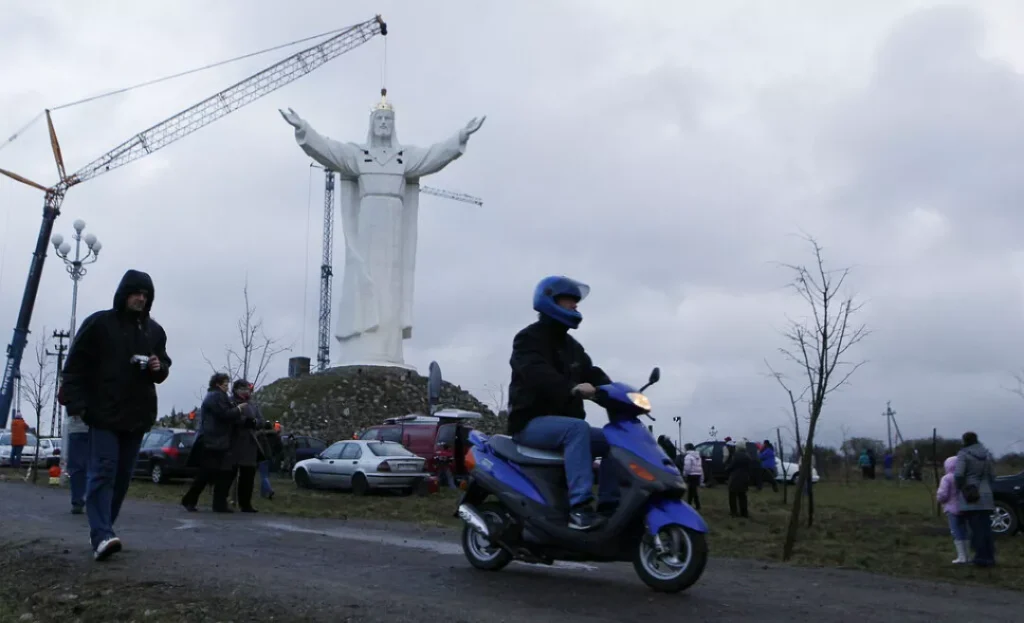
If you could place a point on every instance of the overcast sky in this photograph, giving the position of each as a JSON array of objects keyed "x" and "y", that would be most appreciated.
[{"x": 666, "y": 153}]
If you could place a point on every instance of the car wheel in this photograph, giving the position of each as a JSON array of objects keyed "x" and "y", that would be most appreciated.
[
  {"x": 156, "y": 474},
  {"x": 360, "y": 486},
  {"x": 302, "y": 480},
  {"x": 795, "y": 478},
  {"x": 1004, "y": 519}
]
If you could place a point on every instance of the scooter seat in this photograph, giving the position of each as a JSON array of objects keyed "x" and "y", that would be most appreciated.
[{"x": 506, "y": 447}]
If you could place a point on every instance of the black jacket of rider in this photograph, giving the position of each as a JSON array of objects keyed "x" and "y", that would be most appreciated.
[
  {"x": 546, "y": 364},
  {"x": 100, "y": 382}
]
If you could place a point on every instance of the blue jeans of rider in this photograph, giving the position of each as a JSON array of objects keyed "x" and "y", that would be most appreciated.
[
  {"x": 77, "y": 466},
  {"x": 266, "y": 490},
  {"x": 112, "y": 458},
  {"x": 16, "y": 456},
  {"x": 580, "y": 443}
]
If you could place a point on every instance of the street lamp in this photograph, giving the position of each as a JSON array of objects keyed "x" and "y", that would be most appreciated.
[
  {"x": 678, "y": 419},
  {"x": 76, "y": 268}
]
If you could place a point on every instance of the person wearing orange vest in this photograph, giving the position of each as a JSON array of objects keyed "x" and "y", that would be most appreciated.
[{"x": 19, "y": 437}]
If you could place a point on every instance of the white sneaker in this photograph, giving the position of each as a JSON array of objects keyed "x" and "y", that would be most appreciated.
[{"x": 107, "y": 548}]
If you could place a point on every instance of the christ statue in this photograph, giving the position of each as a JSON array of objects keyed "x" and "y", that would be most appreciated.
[{"x": 379, "y": 206}]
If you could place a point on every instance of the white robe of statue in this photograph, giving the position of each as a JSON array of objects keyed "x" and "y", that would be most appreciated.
[{"x": 379, "y": 208}]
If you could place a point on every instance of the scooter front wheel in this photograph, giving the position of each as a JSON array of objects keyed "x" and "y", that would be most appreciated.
[
  {"x": 674, "y": 561},
  {"x": 478, "y": 549}
]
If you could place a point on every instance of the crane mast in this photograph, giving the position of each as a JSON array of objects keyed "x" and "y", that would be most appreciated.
[
  {"x": 323, "y": 353},
  {"x": 147, "y": 142}
]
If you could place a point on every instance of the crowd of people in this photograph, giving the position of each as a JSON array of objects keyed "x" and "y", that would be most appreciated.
[
  {"x": 741, "y": 469},
  {"x": 233, "y": 440}
]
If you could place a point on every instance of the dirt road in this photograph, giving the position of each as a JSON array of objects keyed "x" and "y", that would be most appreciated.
[{"x": 182, "y": 567}]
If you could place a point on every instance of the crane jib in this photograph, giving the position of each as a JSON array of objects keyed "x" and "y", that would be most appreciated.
[{"x": 150, "y": 140}]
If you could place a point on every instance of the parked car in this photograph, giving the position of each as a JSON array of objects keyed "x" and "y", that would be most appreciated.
[
  {"x": 28, "y": 453},
  {"x": 49, "y": 451},
  {"x": 297, "y": 448},
  {"x": 164, "y": 453},
  {"x": 713, "y": 455},
  {"x": 362, "y": 466},
  {"x": 431, "y": 437},
  {"x": 1008, "y": 516}
]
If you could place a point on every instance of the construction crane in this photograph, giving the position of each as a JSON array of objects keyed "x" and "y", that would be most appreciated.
[
  {"x": 145, "y": 143},
  {"x": 323, "y": 349}
]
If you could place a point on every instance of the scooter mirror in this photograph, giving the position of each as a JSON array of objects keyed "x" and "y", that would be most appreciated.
[
  {"x": 434, "y": 385},
  {"x": 655, "y": 376}
]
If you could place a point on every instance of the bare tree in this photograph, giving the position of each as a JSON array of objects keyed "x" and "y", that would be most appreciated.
[
  {"x": 255, "y": 350},
  {"x": 818, "y": 346},
  {"x": 794, "y": 400},
  {"x": 499, "y": 398},
  {"x": 38, "y": 389},
  {"x": 845, "y": 448}
]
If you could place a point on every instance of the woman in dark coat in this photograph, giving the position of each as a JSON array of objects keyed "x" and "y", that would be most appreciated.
[
  {"x": 738, "y": 468},
  {"x": 246, "y": 450},
  {"x": 211, "y": 452}
]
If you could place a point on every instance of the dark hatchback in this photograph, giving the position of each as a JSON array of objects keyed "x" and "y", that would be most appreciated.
[
  {"x": 164, "y": 455},
  {"x": 1008, "y": 492}
]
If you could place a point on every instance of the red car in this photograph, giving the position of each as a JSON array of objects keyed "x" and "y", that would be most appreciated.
[{"x": 429, "y": 436}]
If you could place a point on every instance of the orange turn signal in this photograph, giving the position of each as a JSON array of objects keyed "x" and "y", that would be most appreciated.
[
  {"x": 469, "y": 461},
  {"x": 641, "y": 473}
]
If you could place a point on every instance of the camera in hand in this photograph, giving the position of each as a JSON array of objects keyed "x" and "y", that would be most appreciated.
[{"x": 141, "y": 361}]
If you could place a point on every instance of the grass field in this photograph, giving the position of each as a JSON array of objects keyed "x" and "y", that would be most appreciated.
[{"x": 877, "y": 526}]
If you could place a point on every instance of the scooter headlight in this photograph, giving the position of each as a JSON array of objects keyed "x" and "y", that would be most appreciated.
[{"x": 639, "y": 400}]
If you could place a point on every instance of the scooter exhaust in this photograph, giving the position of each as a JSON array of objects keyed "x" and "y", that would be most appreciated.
[{"x": 469, "y": 515}]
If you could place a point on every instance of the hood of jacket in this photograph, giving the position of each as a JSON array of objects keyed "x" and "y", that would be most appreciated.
[
  {"x": 977, "y": 451},
  {"x": 134, "y": 281},
  {"x": 949, "y": 464}
]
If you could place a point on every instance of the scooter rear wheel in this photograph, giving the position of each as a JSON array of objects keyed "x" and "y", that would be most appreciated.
[
  {"x": 479, "y": 551},
  {"x": 674, "y": 570}
]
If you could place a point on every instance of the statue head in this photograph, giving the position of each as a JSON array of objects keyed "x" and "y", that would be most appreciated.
[{"x": 382, "y": 124}]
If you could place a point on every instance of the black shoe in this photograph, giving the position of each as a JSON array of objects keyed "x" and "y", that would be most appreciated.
[
  {"x": 249, "y": 509},
  {"x": 222, "y": 509},
  {"x": 584, "y": 518},
  {"x": 77, "y": 509}
]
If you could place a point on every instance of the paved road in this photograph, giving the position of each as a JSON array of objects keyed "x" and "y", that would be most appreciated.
[{"x": 330, "y": 570}]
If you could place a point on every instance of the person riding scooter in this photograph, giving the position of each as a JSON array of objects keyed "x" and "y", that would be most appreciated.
[{"x": 551, "y": 375}]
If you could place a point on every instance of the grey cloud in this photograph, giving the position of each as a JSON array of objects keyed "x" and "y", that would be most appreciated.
[{"x": 677, "y": 231}]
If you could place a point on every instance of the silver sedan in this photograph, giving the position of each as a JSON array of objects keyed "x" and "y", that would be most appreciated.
[{"x": 361, "y": 466}]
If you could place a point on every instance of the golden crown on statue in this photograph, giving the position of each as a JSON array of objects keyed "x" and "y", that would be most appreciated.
[{"x": 383, "y": 104}]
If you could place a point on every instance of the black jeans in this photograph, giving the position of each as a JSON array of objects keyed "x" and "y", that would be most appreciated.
[
  {"x": 693, "y": 491},
  {"x": 980, "y": 523},
  {"x": 221, "y": 481},
  {"x": 246, "y": 478},
  {"x": 738, "y": 503}
]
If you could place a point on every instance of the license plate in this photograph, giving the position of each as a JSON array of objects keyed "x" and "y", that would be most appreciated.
[{"x": 406, "y": 468}]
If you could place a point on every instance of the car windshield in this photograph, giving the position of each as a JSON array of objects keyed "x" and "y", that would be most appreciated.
[
  {"x": 388, "y": 449},
  {"x": 30, "y": 440}
]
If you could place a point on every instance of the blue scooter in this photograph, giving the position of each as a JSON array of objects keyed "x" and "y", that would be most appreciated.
[{"x": 515, "y": 506}]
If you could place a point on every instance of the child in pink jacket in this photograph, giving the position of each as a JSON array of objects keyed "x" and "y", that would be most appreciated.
[{"x": 947, "y": 496}]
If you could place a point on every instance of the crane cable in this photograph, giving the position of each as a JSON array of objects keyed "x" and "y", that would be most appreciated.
[
  {"x": 180, "y": 74},
  {"x": 305, "y": 280}
]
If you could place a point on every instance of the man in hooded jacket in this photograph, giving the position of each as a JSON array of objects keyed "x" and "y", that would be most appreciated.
[{"x": 117, "y": 357}]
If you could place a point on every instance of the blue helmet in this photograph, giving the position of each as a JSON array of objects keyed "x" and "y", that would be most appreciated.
[{"x": 549, "y": 289}]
